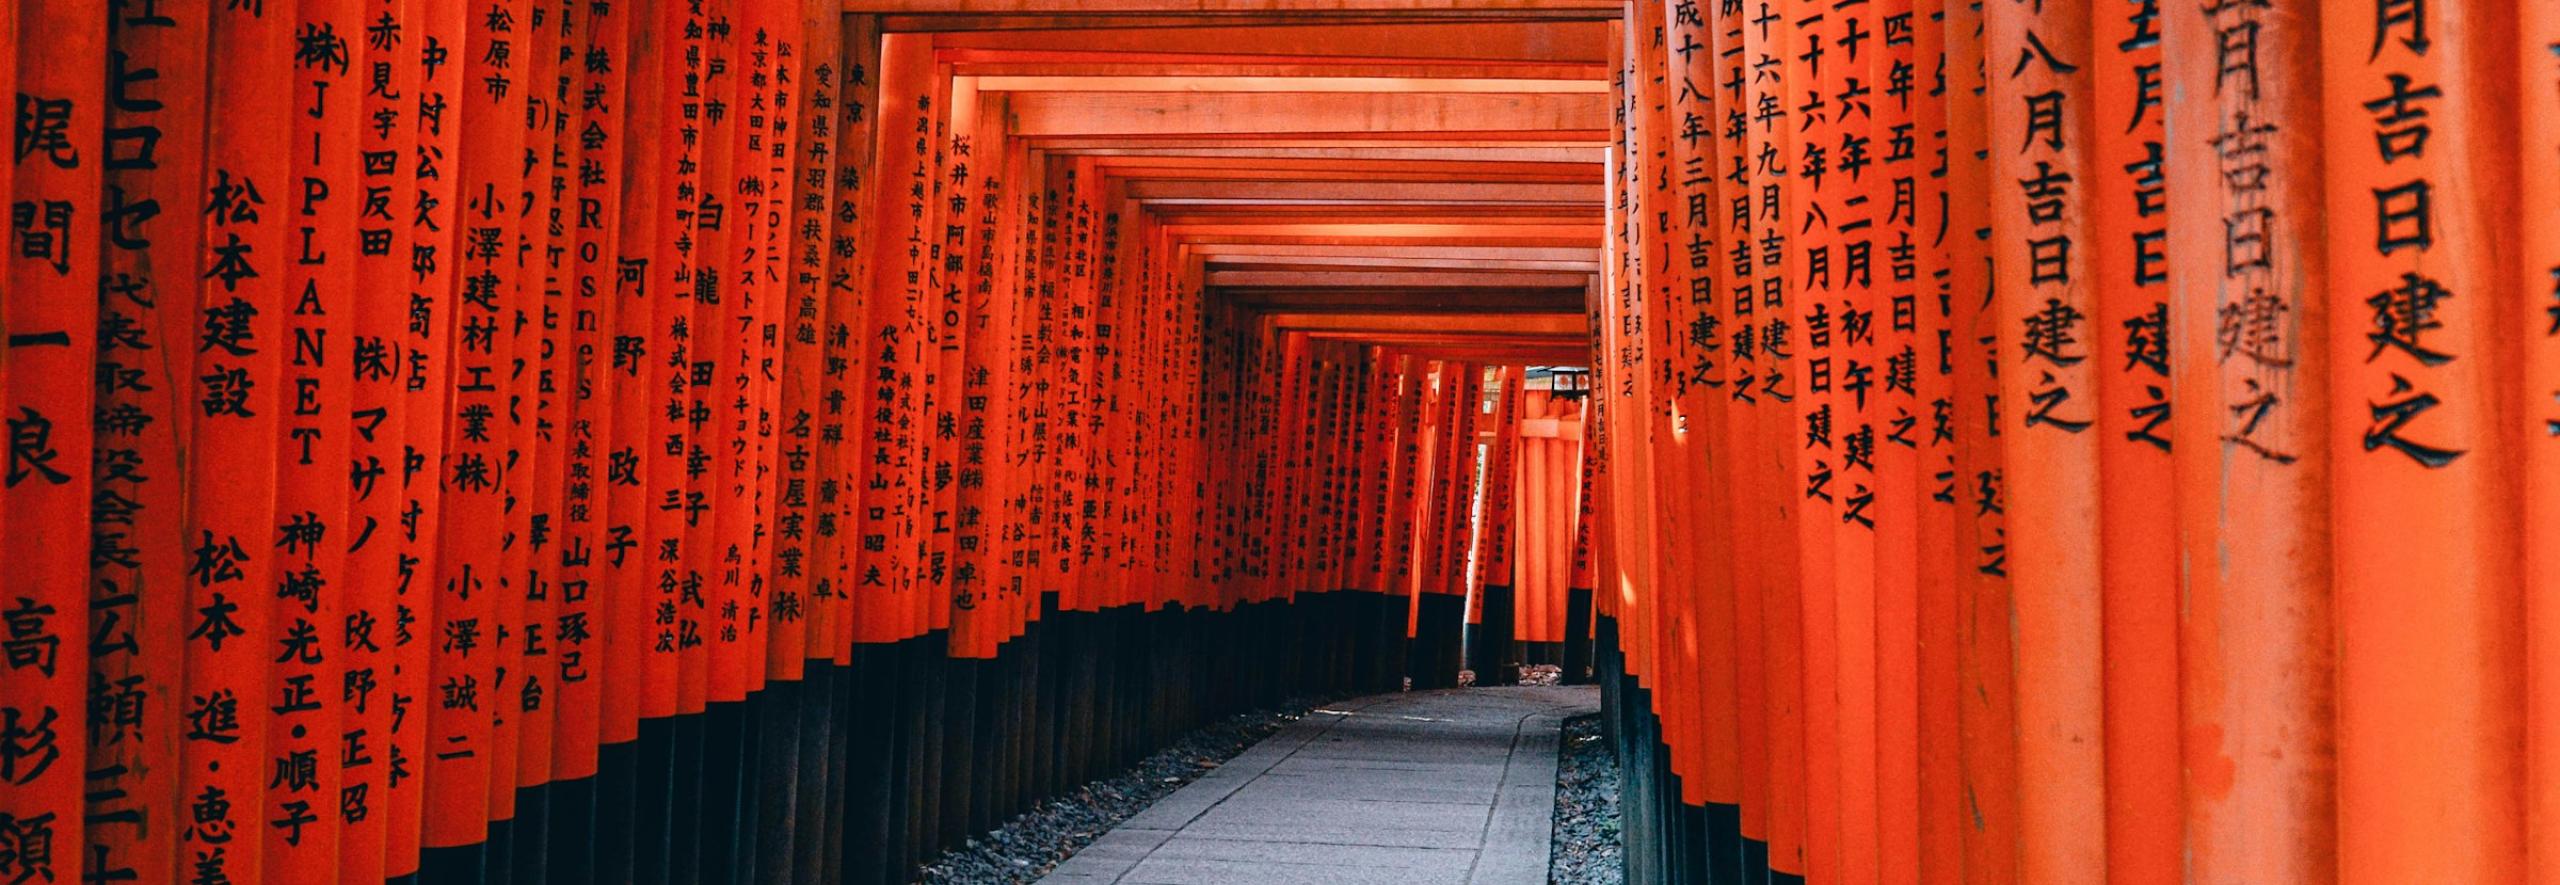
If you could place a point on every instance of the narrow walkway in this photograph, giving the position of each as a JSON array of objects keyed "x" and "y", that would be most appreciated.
[{"x": 1418, "y": 788}]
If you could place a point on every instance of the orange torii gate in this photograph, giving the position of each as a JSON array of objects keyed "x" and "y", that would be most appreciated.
[
  {"x": 656, "y": 439},
  {"x": 752, "y": 438},
  {"x": 2075, "y": 216}
]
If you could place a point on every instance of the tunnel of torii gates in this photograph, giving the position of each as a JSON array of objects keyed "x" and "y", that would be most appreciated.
[{"x": 748, "y": 440}]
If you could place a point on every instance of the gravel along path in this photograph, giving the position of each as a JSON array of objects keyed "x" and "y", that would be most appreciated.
[
  {"x": 1026, "y": 847},
  {"x": 1586, "y": 828}
]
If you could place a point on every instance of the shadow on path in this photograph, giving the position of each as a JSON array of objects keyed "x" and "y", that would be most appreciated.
[{"x": 1420, "y": 788}]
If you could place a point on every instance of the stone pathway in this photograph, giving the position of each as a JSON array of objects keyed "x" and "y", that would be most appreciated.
[{"x": 1454, "y": 786}]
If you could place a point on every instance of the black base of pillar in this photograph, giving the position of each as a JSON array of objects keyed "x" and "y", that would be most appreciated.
[
  {"x": 1490, "y": 651},
  {"x": 572, "y": 843},
  {"x": 1435, "y": 641},
  {"x": 1577, "y": 662},
  {"x": 1724, "y": 843},
  {"x": 684, "y": 818},
  {"x": 721, "y": 808},
  {"x": 652, "y": 839},
  {"x": 616, "y": 794},
  {"x": 1665, "y": 838},
  {"x": 458, "y": 865},
  {"x": 532, "y": 834},
  {"x": 500, "y": 856},
  {"x": 873, "y": 806},
  {"x": 958, "y": 752},
  {"x": 773, "y": 792}
]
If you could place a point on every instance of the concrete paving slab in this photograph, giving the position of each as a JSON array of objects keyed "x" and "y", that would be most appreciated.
[
  {"x": 1165, "y": 871},
  {"x": 1415, "y": 788},
  {"x": 1411, "y": 789},
  {"x": 1457, "y": 860}
]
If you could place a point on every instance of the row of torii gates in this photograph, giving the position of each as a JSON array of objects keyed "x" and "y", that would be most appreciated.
[{"x": 749, "y": 440}]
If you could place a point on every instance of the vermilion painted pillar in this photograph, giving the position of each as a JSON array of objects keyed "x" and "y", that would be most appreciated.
[
  {"x": 1497, "y": 559},
  {"x": 153, "y": 162},
  {"x": 52, "y": 311},
  {"x": 1424, "y": 450},
  {"x": 2539, "y": 108},
  {"x": 384, "y": 363},
  {"x": 801, "y": 591},
  {"x": 1377, "y": 465},
  {"x": 2130, "y": 256},
  {"x": 8, "y": 28},
  {"x": 737, "y": 624},
  {"x": 598, "y": 473},
  {"x": 1939, "y": 559},
  {"x": 430, "y": 325},
  {"x": 2419, "y": 104},
  {"x": 2041, "y": 246},
  {"x": 777, "y": 155},
  {"x": 1985, "y": 716},
  {"x": 1545, "y": 538},
  {"x": 1119, "y": 292},
  {"x": 675, "y": 261},
  {"x": 2247, "y": 277},
  {"x": 1069, "y": 381},
  {"x": 984, "y": 332},
  {"x": 1774, "y": 430},
  {"x": 1047, "y": 389},
  {"x": 627, "y": 558},
  {"x": 841, "y": 447},
  {"x": 946, "y": 338},
  {"x": 1588, "y": 566},
  {"x": 470, "y": 561},
  {"x": 849, "y": 293},
  {"x": 1607, "y": 298},
  {"x": 1732, "y": 300},
  {"x": 1694, "y": 333},
  {"x": 525, "y": 293},
  {"x": 886, "y": 551},
  {"x": 1896, "y": 426},
  {"x": 1397, "y": 567},
  {"x": 1635, "y": 347},
  {"x": 1323, "y": 537},
  {"x": 548, "y": 348},
  {"x": 707, "y": 612},
  {"x": 542, "y": 446},
  {"x": 1850, "y": 379},
  {"x": 315, "y": 427},
  {"x": 1466, "y": 400},
  {"x": 236, "y": 390},
  {"x": 1807, "y": 344}
]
